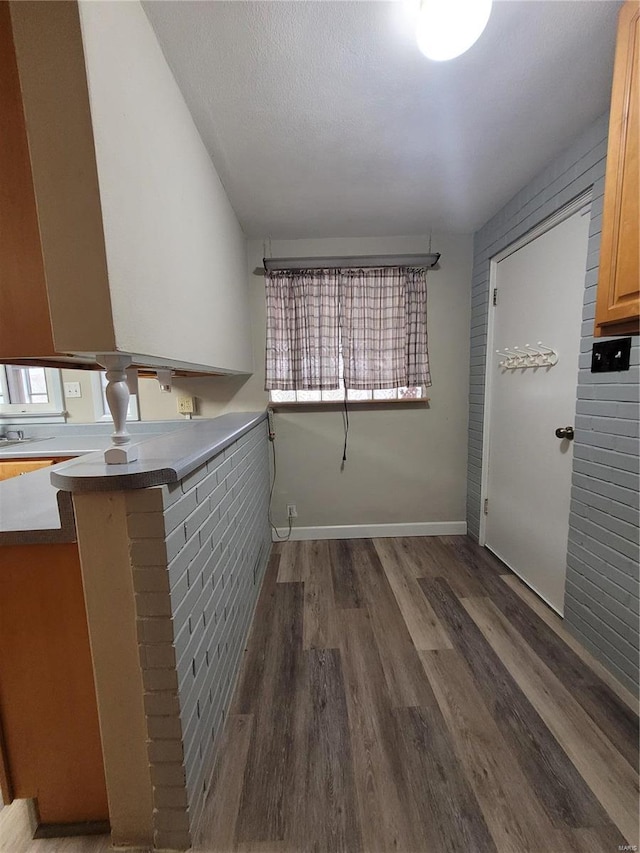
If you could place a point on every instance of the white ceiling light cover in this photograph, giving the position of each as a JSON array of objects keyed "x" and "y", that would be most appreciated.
[{"x": 447, "y": 28}]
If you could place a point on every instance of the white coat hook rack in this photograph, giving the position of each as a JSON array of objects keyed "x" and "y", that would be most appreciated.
[
  {"x": 512, "y": 359},
  {"x": 520, "y": 358}
]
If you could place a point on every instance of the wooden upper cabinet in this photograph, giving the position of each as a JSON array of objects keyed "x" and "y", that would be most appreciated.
[
  {"x": 21, "y": 266},
  {"x": 618, "y": 303},
  {"x": 116, "y": 234},
  {"x": 54, "y": 291}
]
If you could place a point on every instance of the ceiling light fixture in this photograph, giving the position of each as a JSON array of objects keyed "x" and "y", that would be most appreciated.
[{"x": 447, "y": 28}]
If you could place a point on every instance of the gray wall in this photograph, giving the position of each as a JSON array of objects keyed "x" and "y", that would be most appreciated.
[
  {"x": 601, "y": 606},
  {"x": 406, "y": 465}
]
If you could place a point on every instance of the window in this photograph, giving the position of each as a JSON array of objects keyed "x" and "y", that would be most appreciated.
[
  {"x": 30, "y": 392},
  {"x": 37, "y": 392},
  {"x": 363, "y": 329},
  {"x": 377, "y": 395}
]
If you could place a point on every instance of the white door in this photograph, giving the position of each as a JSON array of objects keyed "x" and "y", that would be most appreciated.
[{"x": 540, "y": 290}]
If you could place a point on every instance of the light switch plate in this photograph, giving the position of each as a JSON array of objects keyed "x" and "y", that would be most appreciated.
[
  {"x": 611, "y": 356},
  {"x": 72, "y": 389}
]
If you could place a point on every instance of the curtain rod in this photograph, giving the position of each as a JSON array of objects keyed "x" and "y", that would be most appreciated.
[{"x": 353, "y": 261}]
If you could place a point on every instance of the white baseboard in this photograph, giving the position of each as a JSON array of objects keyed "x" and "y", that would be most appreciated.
[{"x": 375, "y": 531}]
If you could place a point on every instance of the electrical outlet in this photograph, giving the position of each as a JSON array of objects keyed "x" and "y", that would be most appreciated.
[
  {"x": 186, "y": 405},
  {"x": 292, "y": 511},
  {"x": 72, "y": 389}
]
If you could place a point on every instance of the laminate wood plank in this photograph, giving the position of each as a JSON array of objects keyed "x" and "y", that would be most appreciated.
[
  {"x": 403, "y": 671},
  {"x": 516, "y": 820},
  {"x": 609, "y": 776},
  {"x": 555, "y": 622},
  {"x": 594, "y": 840},
  {"x": 461, "y": 541},
  {"x": 419, "y": 761},
  {"x": 566, "y": 797},
  {"x": 386, "y": 818},
  {"x": 218, "y": 822},
  {"x": 454, "y": 539},
  {"x": 293, "y": 567},
  {"x": 422, "y": 623},
  {"x": 407, "y": 550},
  {"x": 477, "y": 561},
  {"x": 331, "y": 817},
  {"x": 269, "y": 778},
  {"x": 478, "y": 556},
  {"x": 614, "y": 716},
  {"x": 253, "y": 664},
  {"x": 296, "y": 837},
  {"x": 346, "y": 585},
  {"x": 426, "y": 563},
  {"x": 442, "y": 563},
  {"x": 445, "y": 804},
  {"x": 319, "y": 601}
]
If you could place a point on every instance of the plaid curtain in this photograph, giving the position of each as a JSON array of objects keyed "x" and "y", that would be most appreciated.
[
  {"x": 302, "y": 330},
  {"x": 384, "y": 327},
  {"x": 378, "y": 316}
]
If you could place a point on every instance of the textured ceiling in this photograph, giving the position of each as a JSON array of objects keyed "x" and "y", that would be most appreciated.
[{"x": 323, "y": 119}]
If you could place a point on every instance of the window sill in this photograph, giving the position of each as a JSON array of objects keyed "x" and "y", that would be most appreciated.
[
  {"x": 335, "y": 405},
  {"x": 11, "y": 418}
]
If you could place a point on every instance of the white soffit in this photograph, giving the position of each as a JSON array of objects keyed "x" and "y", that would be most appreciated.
[{"x": 323, "y": 118}]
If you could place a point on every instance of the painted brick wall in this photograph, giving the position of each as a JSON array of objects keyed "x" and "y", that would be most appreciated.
[
  {"x": 601, "y": 606},
  {"x": 198, "y": 551}
]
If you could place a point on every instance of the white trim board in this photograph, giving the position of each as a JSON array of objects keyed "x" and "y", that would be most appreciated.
[
  {"x": 373, "y": 531},
  {"x": 581, "y": 203}
]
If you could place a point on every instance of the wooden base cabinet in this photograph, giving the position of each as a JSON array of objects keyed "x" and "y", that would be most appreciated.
[
  {"x": 48, "y": 714},
  {"x": 15, "y": 467}
]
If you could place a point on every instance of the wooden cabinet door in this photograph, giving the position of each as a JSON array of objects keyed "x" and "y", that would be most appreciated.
[
  {"x": 15, "y": 467},
  {"x": 48, "y": 710},
  {"x": 618, "y": 305}
]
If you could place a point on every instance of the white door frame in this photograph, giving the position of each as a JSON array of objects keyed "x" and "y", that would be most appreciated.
[{"x": 556, "y": 218}]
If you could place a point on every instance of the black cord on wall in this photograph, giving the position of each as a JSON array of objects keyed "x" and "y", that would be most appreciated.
[
  {"x": 345, "y": 418},
  {"x": 272, "y": 440}
]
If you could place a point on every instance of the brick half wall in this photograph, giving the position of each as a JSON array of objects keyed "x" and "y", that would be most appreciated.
[{"x": 198, "y": 551}]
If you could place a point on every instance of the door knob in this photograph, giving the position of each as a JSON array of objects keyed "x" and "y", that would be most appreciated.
[{"x": 565, "y": 432}]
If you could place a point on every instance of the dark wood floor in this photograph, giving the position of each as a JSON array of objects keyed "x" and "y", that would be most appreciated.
[{"x": 411, "y": 695}]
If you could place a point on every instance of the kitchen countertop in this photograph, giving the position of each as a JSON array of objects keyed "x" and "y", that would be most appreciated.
[
  {"x": 162, "y": 459},
  {"x": 51, "y": 440},
  {"x": 69, "y": 445},
  {"x": 33, "y": 512},
  {"x": 37, "y": 507}
]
